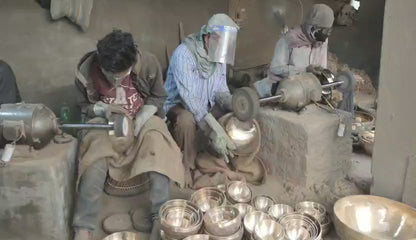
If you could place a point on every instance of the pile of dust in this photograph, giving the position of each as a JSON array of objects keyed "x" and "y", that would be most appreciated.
[{"x": 364, "y": 83}]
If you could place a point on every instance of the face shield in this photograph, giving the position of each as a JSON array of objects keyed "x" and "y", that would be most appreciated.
[
  {"x": 222, "y": 44},
  {"x": 320, "y": 34}
]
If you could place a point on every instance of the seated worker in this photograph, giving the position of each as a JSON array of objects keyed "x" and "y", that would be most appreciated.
[
  {"x": 302, "y": 49},
  {"x": 118, "y": 76},
  {"x": 196, "y": 82},
  {"x": 9, "y": 92}
]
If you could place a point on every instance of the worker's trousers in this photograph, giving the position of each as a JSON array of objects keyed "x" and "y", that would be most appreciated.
[{"x": 91, "y": 187}]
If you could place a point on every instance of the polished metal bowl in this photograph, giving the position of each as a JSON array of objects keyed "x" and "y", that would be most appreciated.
[
  {"x": 198, "y": 237},
  {"x": 180, "y": 218},
  {"x": 301, "y": 226},
  {"x": 372, "y": 217},
  {"x": 123, "y": 236},
  {"x": 238, "y": 192},
  {"x": 222, "y": 221},
  {"x": 268, "y": 229},
  {"x": 314, "y": 209},
  {"x": 208, "y": 197},
  {"x": 243, "y": 209},
  {"x": 241, "y": 133},
  {"x": 236, "y": 236},
  {"x": 262, "y": 203},
  {"x": 278, "y": 210},
  {"x": 252, "y": 219}
]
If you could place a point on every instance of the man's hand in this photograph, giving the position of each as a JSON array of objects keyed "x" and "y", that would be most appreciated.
[
  {"x": 100, "y": 109},
  {"x": 145, "y": 113},
  {"x": 315, "y": 69}
]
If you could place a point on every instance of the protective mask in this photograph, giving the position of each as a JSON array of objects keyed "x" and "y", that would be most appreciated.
[
  {"x": 222, "y": 44},
  {"x": 320, "y": 34},
  {"x": 116, "y": 78}
]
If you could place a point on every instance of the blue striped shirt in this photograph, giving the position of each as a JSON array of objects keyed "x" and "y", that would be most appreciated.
[{"x": 184, "y": 84}]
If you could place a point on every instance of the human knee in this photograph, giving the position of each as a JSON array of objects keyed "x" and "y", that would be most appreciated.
[{"x": 185, "y": 120}]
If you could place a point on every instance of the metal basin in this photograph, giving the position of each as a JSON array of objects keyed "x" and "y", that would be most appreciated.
[
  {"x": 243, "y": 209},
  {"x": 314, "y": 209},
  {"x": 372, "y": 217},
  {"x": 263, "y": 203},
  {"x": 253, "y": 218},
  {"x": 238, "y": 192},
  {"x": 222, "y": 221},
  {"x": 207, "y": 198},
  {"x": 268, "y": 230},
  {"x": 123, "y": 236},
  {"x": 276, "y": 211}
]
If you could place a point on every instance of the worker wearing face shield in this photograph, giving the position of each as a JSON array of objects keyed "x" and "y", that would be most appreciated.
[
  {"x": 302, "y": 49},
  {"x": 197, "y": 88},
  {"x": 119, "y": 78}
]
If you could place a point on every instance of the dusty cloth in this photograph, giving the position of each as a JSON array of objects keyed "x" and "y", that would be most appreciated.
[
  {"x": 195, "y": 43},
  {"x": 320, "y": 15},
  {"x": 78, "y": 11},
  {"x": 146, "y": 76},
  {"x": 153, "y": 150},
  {"x": 244, "y": 166}
]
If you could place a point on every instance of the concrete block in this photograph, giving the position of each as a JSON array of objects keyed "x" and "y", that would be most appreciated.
[
  {"x": 304, "y": 147},
  {"x": 36, "y": 193}
]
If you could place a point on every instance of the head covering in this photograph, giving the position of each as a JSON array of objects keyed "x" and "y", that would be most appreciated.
[
  {"x": 195, "y": 43},
  {"x": 320, "y": 15}
]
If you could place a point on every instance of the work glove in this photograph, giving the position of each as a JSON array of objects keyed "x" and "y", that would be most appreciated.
[
  {"x": 100, "y": 109},
  {"x": 145, "y": 113},
  {"x": 220, "y": 141},
  {"x": 224, "y": 100},
  {"x": 315, "y": 69}
]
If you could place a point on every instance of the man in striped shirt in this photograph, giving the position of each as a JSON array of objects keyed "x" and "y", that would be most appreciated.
[{"x": 196, "y": 84}]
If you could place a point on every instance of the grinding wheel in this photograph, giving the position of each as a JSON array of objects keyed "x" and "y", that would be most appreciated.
[
  {"x": 245, "y": 104},
  {"x": 348, "y": 81}
]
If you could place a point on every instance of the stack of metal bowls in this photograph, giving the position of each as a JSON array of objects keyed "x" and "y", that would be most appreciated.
[
  {"x": 326, "y": 225},
  {"x": 123, "y": 236},
  {"x": 207, "y": 198},
  {"x": 318, "y": 211},
  {"x": 277, "y": 211},
  {"x": 268, "y": 230},
  {"x": 238, "y": 192},
  {"x": 252, "y": 219},
  {"x": 179, "y": 219},
  {"x": 262, "y": 203},
  {"x": 243, "y": 209},
  {"x": 198, "y": 237},
  {"x": 301, "y": 226},
  {"x": 222, "y": 221}
]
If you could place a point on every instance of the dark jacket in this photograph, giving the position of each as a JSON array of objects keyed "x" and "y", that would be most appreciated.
[{"x": 147, "y": 78}]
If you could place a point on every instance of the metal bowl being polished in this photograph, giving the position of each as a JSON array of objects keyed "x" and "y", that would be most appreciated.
[
  {"x": 222, "y": 221},
  {"x": 262, "y": 203},
  {"x": 301, "y": 226},
  {"x": 268, "y": 230},
  {"x": 198, "y": 237},
  {"x": 238, "y": 192},
  {"x": 207, "y": 198},
  {"x": 276, "y": 211},
  {"x": 372, "y": 217},
  {"x": 236, "y": 236},
  {"x": 123, "y": 236},
  {"x": 243, "y": 209},
  {"x": 180, "y": 218},
  {"x": 253, "y": 218},
  {"x": 316, "y": 210},
  {"x": 242, "y": 133}
]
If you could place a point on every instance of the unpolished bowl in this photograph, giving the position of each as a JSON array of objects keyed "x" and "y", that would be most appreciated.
[
  {"x": 372, "y": 217},
  {"x": 123, "y": 236},
  {"x": 198, "y": 237},
  {"x": 238, "y": 192},
  {"x": 222, "y": 221},
  {"x": 243, "y": 209},
  {"x": 262, "y": 203},
  {"x": 252, "y": 219},
  {"x": 301, "y": 226},
  {"x": 278, "y": 210},
  {"x": 316, "y": 210},
  {"x": 236, "y": 236},
  {"x": 268, "y": 229},
  {"x": 209, "y": 197}
]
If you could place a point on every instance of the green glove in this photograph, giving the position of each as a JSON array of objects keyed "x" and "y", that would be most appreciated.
[{"x": 224, "y": 100}]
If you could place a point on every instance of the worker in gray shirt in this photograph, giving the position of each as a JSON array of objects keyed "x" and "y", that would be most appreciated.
[{"x": 301, "y": 49}]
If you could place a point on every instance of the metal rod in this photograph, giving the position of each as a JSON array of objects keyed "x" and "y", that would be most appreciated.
[
  {"x": 334, "y": 84},
  {"x": 275, "y": 97},
  {"x": 87, "y": 126}
]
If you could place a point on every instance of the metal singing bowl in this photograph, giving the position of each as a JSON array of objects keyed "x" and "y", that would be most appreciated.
[
  {"x": 268, "y": 229},
  {"x": 278, "y": 210},
  {"x": 253, "y": 218},
  {"x": 198, "y": 237},
  {"x": 239, "y": 192},
  {"x": 314, "y": 209},
  {"x": 207, "y": 198},
  {"x": 301, "y": 226},
  {"x": 222, "y": 221},
  {"x": 372, "y": 217},
  {"x": 243, "y": 208},
  {"x": 236, "y": 236},
  {"x": 262, "y": 203},
  {"x": 123, "y": 236}
]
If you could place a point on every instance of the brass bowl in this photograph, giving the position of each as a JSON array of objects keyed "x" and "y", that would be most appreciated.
[
  {"x": 222, "y": 221},
  {"x": 314, "y": 209},
  {"x": 276, "y": 211},
  {"x": 243, "y": 209},
  {"x": 207, "y": 198},
  {"x": 238, "y": 192},
  {"x": 252, "y": 219},
  {"x": 123, "y": 236},
  {"x": 262, "y": 203},
  {"x": 372, "y": 217},
  {"x": 301, "y": 226},
  {"x": 268, "y": 229}
]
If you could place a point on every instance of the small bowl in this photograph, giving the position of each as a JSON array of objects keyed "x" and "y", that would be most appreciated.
[
  {"x": 123, "y": 236},
  {"x": 243, "y": 208},
  {"x": 208, "y": 197},
  {"x": 262, "y": 203},
  {"x": 316, "y": 210},
  {"x": 198, "y": 237},
  {"x": 239, "y": 192},
  {"x": 301, "y": 226},
  {"x": 236, "y": 236},
  {"x": 276, "y": 211},
  {"x": 222, "y": 221},
  {"x": 253, "y": 218},
  {"x": 268, "y": 229}
]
